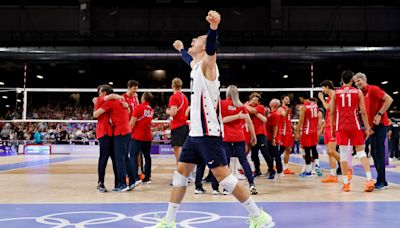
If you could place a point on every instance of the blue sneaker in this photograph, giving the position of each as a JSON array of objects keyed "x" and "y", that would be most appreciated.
[
  {"x": 318, "y": 170},
  {"x": 306, "y": 174},
  {"x": 381, "y": 186},
  {"x": 122, "y": 188},
  {"x": 271, "y": 175}
]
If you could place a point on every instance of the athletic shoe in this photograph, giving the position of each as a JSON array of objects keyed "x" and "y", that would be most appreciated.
[
  {"x": 253, "y": 190},
  {"x": 346, "y": 187},
  {"x": 199, "y": 191},
  {"x": 305, "y": 174},
  {"x": 318, "y": 170},
  {"x": 381, "y": 186},
  {"x": 225, "y": 192},
  {"x": 257, "y": 174},
  {"x": 262, "y": 221},
  {"x": 123, "y": 188},
  {"x": 215, "y": 192},
  {"x": 271, "y": 175},
  {"x": 163, "y": 224},
  {"x": 288, "y": 171},
  {"x": 101, "y": 188},
  {"x": 369, "y": 186},
  {"x": 134, "y": 185},
  {"x": 146, "y": 180},
  {"x": 349, "y": 174},
  {"x": 330, "y": 179}
]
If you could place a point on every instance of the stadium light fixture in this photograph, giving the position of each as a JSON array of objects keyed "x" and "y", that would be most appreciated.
[
  {"x": 7, "y": 106},
  {"x": 384, "y": 82},
  {"x": 18, "y": 100},
  {"x": 4, "y": 97},
  {"x": 285, "y": 76},
  {"x": 39, "y": 76},
  {"x": 2, "y": 83},
  {"x": 111, "y": 83},
  {"x": 396, "y": 92}
]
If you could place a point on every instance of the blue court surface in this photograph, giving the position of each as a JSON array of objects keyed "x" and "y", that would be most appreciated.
[{"x": 288, "y": 214}]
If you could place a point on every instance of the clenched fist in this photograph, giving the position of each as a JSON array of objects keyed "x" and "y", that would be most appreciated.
[
  {"x": 178, "y": 45},
  {"x": 214, "y": 18}
]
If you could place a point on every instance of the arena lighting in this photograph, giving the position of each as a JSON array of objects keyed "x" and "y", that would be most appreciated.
[
  {"x": 4, "y": 97},
  {"x": 396, "y": 92},
  {"x": 18, "y": 100},
  {"x": 384, "y": 82},
  {"x": 7, "y": 106},
  {"x": 111, "y": 83},
  {"x": 39, "y": 76},
  {"x": 2, "y": 83},
  {"x": 285, "y": 76}
]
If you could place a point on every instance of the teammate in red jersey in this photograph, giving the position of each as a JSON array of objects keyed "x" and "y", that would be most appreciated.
[
  {"x": 286, "y": 132},
  {"x": 308, "y": 125},
  {"x": 345, "y": 104}
]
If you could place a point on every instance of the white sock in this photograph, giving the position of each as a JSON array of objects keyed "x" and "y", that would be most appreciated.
[
  {"x": 333, "y": 172},
  {"x": 345, "y": 179},
  {"x": 252, "y": 207},
  {"x": 369, "y": 176},
  {"x": 308, "y": 168},
  {"x": 285, "y": 166},
  {"x": 173, "y": 208},
  {"x": 350, "y": 157},
  {"x": 316, "y": 162},
  {"x": 313, "y": 165}
]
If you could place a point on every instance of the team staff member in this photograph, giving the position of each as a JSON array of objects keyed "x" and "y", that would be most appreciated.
[
  {"x": 377, "y": 102},
  {"x": 120, "y": 118},
  {"x": 140, "y": 123},
  {"x": 177, "y": 106}
]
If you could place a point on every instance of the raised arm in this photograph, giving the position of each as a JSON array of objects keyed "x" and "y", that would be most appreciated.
[
  {"x": 208, "y": 66},
  {"x": 178, "y": 45}
]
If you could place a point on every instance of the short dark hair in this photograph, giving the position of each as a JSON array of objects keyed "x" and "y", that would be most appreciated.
[
  {"x": 347, "y": 76},
  {"x": 255, "y": 94},
  {"x": 132, "y": 83},
  {"x": 106, "y": 88},
  {"x": 283, "y": 97},
  {"x": 327, "y": 83},
  {"x": 314, "y": 99},
  {"x": 305, "y": 95},
  {"x": 147, "y": 96}
]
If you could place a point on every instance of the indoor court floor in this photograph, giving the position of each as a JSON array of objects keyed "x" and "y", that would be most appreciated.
[{"x": 60, "y": 191}]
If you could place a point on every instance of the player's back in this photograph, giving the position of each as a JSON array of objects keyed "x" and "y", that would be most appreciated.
[
  {"x": 347, "y": 103},
  {"x": 310, "y": 125}
]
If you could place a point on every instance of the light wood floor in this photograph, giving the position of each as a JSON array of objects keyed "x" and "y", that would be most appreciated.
[{"x": 74, "y": 181}]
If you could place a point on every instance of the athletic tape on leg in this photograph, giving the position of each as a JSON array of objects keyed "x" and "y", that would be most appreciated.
[
  {"x": 179, "y": 180},
  {"x": 229, "y": 183},
  {"x": 344, "y": 152}
]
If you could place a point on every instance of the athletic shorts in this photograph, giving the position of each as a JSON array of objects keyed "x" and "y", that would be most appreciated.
[
  {"x": 287, "y": 140},
  {"x": 352, "y": 138},
  {"x": 327, "y": 136},
  {"x": 178, "y": 135},
  {"x": 205, "y": 149},
  {"x": 309, "y": 140}
]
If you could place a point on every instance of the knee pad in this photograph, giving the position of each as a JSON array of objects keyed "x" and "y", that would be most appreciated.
[
  {"x": 361, "y": 154},
  {"x": 229, "y": 183},
  {"x": 344, "y": 153},
  {"x": 179, "y": 180}
]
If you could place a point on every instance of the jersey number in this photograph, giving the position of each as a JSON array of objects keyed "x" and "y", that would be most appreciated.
[
  {"x": 344, "y": 99},
  {"x": 314, "y": 113}
]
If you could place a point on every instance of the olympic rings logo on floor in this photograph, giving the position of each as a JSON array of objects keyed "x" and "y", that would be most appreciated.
[{"x": 59, "y": 220}]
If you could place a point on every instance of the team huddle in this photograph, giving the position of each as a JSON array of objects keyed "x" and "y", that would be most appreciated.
[{"x": 221, "y": 129}]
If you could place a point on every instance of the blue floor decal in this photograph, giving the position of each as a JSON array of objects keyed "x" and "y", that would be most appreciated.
[{"x": 210, "y": 215}]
